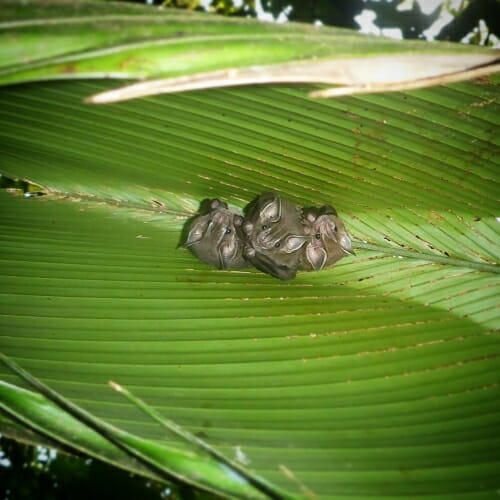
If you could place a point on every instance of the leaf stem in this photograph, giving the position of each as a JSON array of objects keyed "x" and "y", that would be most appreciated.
[
  {"x": 257, "y": 482},
  {"x": 108, "y": 431},
  {"x": 438, "y": 259}
]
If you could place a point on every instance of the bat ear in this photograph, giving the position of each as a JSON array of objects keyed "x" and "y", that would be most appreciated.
[
  {"x": 293, "y": 243},
  {"x": 310, "y": 214},
  {"x": 272, "y": 211},
  {"x": 195, "y": 234},
  {"x": 216, "y": 203},
  {"x": 227, "y": 252},
  {"x": 316, "y": 256},
  {"x": 346, "y": 244},
  {"x": 328, "y": 210}
]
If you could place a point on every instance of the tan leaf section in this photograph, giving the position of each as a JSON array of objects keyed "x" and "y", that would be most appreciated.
[{"x": 353, "y": 76}]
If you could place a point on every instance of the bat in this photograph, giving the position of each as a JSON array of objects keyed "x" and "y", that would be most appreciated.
[
  {"x": 214, "y": 240},
  {"x": 273, "y": 234},
  {"x": 328, "y": 239}
]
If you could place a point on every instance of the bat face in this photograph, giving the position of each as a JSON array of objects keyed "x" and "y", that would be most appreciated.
[
  {"x": 214, "y": 240},
  {"x": 273, "y": 233},
  {"x": 328, "y": 239}
]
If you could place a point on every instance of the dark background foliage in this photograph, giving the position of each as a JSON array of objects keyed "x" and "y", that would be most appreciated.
[
  {"x": 412, "y": 22},
  {"x": 29, "y": 472}
]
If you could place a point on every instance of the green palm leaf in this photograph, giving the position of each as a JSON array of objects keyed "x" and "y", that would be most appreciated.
[{"x": 374, "y": 378}]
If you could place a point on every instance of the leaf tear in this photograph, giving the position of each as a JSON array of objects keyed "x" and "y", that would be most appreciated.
[{"x": 28, "y": 188}]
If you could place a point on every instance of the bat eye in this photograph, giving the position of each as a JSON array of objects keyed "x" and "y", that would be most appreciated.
[
  {"x": 264, "y": 227},
  {"x": 317, "y": 236},
  {"x": 277, "y": 245},
  {"x": 228, "y": 231}
]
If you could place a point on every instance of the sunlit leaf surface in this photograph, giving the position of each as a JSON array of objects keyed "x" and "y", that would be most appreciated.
[{"x": 375, "y": 378}]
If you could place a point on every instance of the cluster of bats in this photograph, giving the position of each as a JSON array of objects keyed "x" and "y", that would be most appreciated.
[{"x": 276, "y": 236}]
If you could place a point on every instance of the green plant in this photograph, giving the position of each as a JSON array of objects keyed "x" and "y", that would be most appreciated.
[{"x": 374, "y": 378}]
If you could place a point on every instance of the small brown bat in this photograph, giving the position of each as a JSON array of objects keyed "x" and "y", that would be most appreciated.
[
  {"x": 328, "y": 240},
  {"x": 274, "y": 234},
  {"x": 214, "y": 240}
]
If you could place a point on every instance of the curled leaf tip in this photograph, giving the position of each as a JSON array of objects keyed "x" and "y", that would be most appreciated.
[{"x": 115, "y": 386}]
